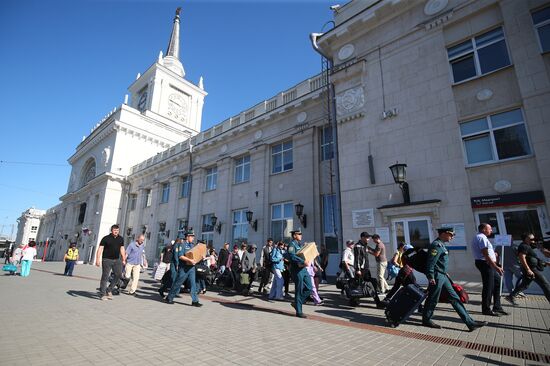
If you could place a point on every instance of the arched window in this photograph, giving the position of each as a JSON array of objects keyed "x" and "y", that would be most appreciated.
[{"x": 88, "y": 172}]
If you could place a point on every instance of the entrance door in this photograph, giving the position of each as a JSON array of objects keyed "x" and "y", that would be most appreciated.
[
  {"x": 516, "y": 221},
  {"x": 513, "y": 221},
  {"x": 416, "y": 231}
]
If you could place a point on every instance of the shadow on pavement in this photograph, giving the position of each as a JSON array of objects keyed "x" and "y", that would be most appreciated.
[
  {"x": 88, "y": 294},
  {"x": 486, "y": 360},
  {"x": 241, "y": 306},
  {"x": 354, "y": 317}
]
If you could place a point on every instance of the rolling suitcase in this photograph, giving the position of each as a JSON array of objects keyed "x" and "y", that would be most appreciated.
[{"x": 404, "y": 303}]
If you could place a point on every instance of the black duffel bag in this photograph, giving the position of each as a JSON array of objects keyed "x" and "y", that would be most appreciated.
[{"x": 202, "y": 270}]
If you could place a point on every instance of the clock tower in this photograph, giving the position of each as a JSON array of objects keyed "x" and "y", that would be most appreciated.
[{"x": 162, "y": 92}]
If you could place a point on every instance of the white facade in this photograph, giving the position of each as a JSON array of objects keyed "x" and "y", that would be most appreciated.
[
  {"x": 476, "y": 146},
  {"x": 28, "y": 225}
]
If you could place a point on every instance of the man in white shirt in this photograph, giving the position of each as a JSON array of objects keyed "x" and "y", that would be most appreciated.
[
  {"x": 486, "y": 263},
  {"x": 348, "y": 259}
]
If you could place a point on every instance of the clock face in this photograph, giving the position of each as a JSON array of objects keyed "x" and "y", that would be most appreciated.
[{"x": 177, "y": 107}]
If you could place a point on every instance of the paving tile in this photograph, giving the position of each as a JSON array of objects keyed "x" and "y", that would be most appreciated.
[{"x": 243, "y": 331}]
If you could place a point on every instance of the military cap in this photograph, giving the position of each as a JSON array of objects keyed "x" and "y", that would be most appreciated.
[
  {"x": 446, "y": 229},
  {"x": 190, "y": 232},
  {"x": 296, "y": 231}
]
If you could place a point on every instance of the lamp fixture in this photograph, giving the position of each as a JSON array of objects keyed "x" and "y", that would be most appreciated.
[
  {"x": 299, "y": 210},
  {"x": 213, "y": 221},
  {"x": 254, "y": 223},
  {"x": 399, "y": 172}
]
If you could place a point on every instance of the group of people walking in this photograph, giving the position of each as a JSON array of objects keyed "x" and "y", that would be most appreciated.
[{"x": 280, "y": 263}]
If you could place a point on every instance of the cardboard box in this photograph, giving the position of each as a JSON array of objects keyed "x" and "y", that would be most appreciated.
[
  {"x": 198, "y": 253},
  {"x": 308, "y": 252}
]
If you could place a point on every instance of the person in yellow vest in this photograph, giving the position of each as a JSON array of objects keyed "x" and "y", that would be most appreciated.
[{"x": 70, "y": 259}]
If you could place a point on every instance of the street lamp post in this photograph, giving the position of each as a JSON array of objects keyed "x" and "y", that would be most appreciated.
[{"x": 399, "y": 172}]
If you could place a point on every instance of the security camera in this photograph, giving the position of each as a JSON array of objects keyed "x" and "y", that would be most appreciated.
[{"x": 335, "y": 8}]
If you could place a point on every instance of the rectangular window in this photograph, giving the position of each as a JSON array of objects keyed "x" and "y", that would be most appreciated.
[
  {"x": 281, "y": 221},
  {"x": 147, "y": 201},
  {"x": 329, "y": 223},
  {"x": 161, "y": 237},
  {"x": 207, "y": 229},
  {"x": 208, "y": 238},
  {"x": 185, "y": 187},
  {"x": 34, "y": 228},
  {"x": 211, "y": 178},
  {"x": 207, "y": 223},
  {"x": 496, "y": 137},
  {"x": 242, "y": 169},
  {"x": 182, "y": 227},
  {"x": 133, "y": 202},
  {"x": 479, "y": 55},
  {"x": 240, "y": 227},
  {"x": 541, "y": 20},
  {"x": 281, "y": 157},
  {"x": 327, "y": 143},
  {"x": 165, "y": 193}
]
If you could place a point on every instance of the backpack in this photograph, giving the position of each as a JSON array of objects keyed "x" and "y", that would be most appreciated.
[{"x": 417, "y": 258}]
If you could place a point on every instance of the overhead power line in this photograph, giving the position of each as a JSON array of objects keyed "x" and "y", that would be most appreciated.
[{"x": 30, "y": 163}]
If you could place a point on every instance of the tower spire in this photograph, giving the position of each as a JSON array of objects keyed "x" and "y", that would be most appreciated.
[
  {"x": 171, "y": 60},
  {"x": 174, "y": 44}
]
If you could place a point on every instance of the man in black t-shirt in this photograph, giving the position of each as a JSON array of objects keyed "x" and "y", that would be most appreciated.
[
  {"x": 112, "y": 255},
  {"x": 532, "y": 267}
]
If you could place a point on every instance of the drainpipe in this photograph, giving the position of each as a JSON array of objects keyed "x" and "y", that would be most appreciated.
[
  {"x": 332, "y": 117},
  {"x": 190, "y": 183}
]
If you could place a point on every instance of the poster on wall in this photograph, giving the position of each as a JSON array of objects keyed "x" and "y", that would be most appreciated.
[
  {"x": 459, "y": 241},
  {"x": 363, "y": 218},
  {"x": 384, "y": 233}
]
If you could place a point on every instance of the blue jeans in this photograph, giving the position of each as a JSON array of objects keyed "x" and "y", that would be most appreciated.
[
  {"x": 69, "y": 266},
  {"x": 509, "y": 274},
  {"x": 538, "y": 278},
  {"x": 184, "y": 273}
]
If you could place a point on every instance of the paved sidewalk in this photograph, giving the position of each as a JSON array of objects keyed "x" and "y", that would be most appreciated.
[{"x": 50, "y": 319}]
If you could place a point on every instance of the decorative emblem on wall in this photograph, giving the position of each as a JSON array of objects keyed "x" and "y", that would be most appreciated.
[
  {"x": 106, "y": 153},
  {"x": 502, "y": 186},
  {"x": 301, "y": 117},
  {"x": 223, "y": 149},
  {"x": 350, "y": 101},
  {"x": 433, "y": 7},
  {"x": 346, "y": 51},
  {"x": 258, "y": 134},
  {"x": 484, "y": 94}
]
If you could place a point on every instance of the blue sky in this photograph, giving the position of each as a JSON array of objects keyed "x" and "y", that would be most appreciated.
[{"x": 66, "y": 64}]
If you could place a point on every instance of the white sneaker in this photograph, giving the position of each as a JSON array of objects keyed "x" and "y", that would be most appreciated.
[{"x": 324, "y": 282}]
